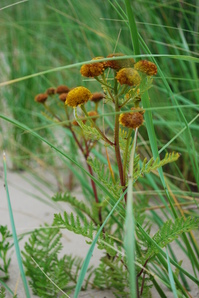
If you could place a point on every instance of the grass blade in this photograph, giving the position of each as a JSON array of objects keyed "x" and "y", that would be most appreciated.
[
  {"x": 89, "y": 254},
  {"x": 16, "y": 244},
  {"x": 171, "y": 277},
  {"x": 129, "y": 239}
]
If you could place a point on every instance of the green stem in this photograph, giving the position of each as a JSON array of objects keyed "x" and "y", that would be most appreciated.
[
  {"x": 129, "y": 238},
  {"x": 126, "y": 153},
  {"x": 51, "y": 112},
  {"x": 117, "y": 146},
  {"x": 97, "y": 128},
  {"x": 131, "y": 98},
  {"x": 123, "y": 90},
  {"x": 103, "y": 83}
]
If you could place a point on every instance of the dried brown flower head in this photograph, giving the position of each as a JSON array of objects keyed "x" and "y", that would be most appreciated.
[
  {"x": 51, "y": 91},
  {"x": 131, "y": 120},
  {"x": 97, "y": 96},
  {"x": 62, "y": 89},
  {"x": 128, "y": 76},
  {"x": 93, "y": 69},
  {"x": 41, "y": 98},
  {"x": 147, "y": 67},
  {"x": 120, "y": 63},
  {"x": 139, "y": 110},
  {"x": 63, "y": 96}
]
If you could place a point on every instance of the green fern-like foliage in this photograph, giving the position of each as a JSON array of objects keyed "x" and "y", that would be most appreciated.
[
  {"x": 153, "y": 165},
  {"x": 171, "y": 231},
  {"x": 89, "y": 131},
  {"x": 75, "y": 224},
  {"x": 50, "y": 275},
  {"x": 80, "y": 207},
  {"x": 112, "y": 275},
  {"x": 103, "y": 174},
  {"x": 2, "y": 292},
  {"x": 42, "y": 262},
  {"x": 86, "y": 229}
]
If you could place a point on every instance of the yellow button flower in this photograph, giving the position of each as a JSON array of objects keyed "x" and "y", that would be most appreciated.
[{"x": 78, "y": 96}]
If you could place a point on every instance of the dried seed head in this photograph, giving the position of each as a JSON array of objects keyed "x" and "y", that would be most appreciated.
[
  {"x": 97, "y": 96},
  {"x": 51, "y": 91},
  {"x": 78, "y": 96},
  {"x": 139, "y": 110},
  {"x": 93, "y": 69},
  {"x": 62, "y": 89},
  {"x": 120, "y": 63},
  {"x": 148, "y": 67},
  {"x": 41, "y": 98},
  {"x": 63, "y": 96},
  {"x": 93, "y": 114},
  {"x": 128, "y": 76},
  {"x": 131, "y": 120}
]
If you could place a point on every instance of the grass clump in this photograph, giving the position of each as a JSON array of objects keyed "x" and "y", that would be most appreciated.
[{"x": 125, "y": 122}]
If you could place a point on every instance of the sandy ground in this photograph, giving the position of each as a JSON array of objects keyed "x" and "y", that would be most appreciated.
[{"x": 30, "y": 213}]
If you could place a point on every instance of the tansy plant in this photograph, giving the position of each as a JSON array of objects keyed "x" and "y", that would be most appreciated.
[{"x": 80, "y": 111}]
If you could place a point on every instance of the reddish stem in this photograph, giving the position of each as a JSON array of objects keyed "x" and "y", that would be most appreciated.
[{"x": 86, "y": 155}]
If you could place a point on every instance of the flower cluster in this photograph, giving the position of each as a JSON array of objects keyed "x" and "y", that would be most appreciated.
[{"x": 130, "y": 77}]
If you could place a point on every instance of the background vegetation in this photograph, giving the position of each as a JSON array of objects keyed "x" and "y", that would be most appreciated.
[{"x": 38, "y": 38}]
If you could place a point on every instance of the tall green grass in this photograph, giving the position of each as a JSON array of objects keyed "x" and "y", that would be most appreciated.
[{"x": 44, "y": 44}]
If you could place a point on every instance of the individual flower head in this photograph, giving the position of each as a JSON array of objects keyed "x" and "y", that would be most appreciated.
[
  {"x": 128, "y": 76},
  {"x": 41, "y": 98},
  {"x": 139, "y": 110},
  {"x": 93, "y": 69},
  {"x": 120, "y": 63},
  {"x": 51, "y": 91},
  {"x": 97, "y": 96},
  {"x": 147, "y": 67},
  {"x": 93, "y": 114},
  {"x": 62, "y": 89},
  {"x": 131, "y": 120},
  {"x": 63, "y": 96},
  {"x": 78, "y": 96}
]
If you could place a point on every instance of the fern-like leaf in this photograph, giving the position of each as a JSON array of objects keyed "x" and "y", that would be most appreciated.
[
  {"x": 2, "y": 292},
  {"x": 171, "y": 231},
  {"x": 42, "y": 251},
  {"x": 112, "y": 275},
  {"x": 50, "y": 275},
  {"x": 86, "y": 229},
  {"x": 103, "y": 174},
  {"x": 78, "y": 205},
  {"x": 75, "y": 225},
  {"x": 152, "y": 164}
]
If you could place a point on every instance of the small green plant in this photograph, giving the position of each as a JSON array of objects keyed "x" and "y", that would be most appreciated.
[
  {"x": 5, "y": 247},
  {"x": 109, "y": 140},
  {"x": 123, "y": 82}
]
